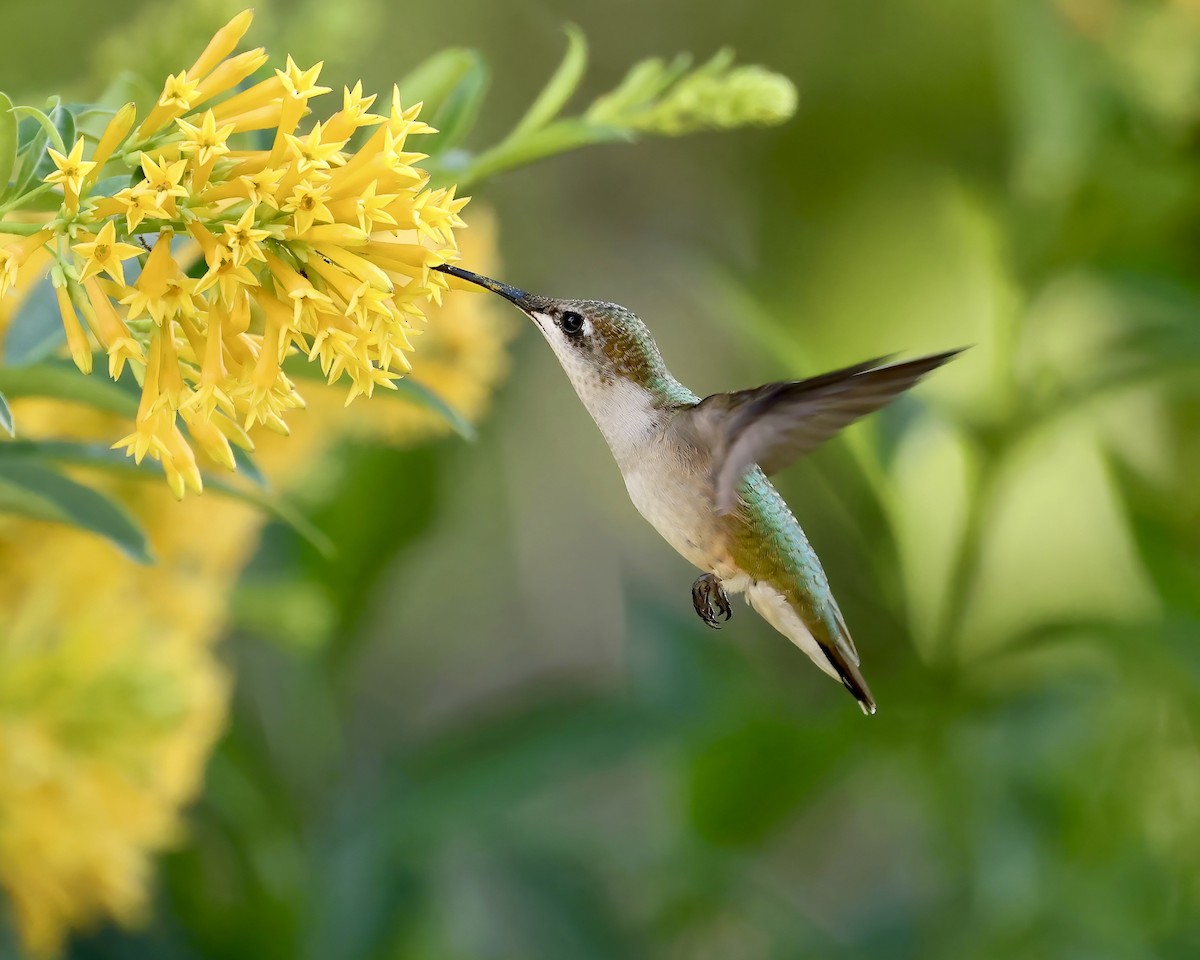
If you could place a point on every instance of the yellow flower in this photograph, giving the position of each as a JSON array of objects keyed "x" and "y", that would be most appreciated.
[
  {"x": 310, "y": 246},
  {"x": 313, "y": 151},
  {"x": 110, "y": 330},
  {"x": 104, "y": 253},
  {"x": 205, "y": 141},
  {"x": 178, "y": 94},
  {"x": 245, "y": 240},
  {"x": 12, "y": 258},
  {"x": 77, "y": 341},
  {"x": 223, "y": 43},
  {"x": 111, "y": 695},
  {"x": 71, "y": 169},
  {"x": 307, "y": 204},
  {"x": 114, "y": 134}
]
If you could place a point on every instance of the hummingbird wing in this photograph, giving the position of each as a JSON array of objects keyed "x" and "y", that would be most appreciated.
[{"x": 774, "y": 424}]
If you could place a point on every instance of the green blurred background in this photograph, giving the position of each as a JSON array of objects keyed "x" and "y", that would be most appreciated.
[{"x": 492, "y": 725}]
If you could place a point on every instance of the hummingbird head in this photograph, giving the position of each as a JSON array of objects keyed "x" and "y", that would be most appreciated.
[{"x": 599, "y": 344}]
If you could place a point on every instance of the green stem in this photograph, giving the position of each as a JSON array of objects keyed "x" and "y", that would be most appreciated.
[
  {"x": 25, "y": 198},
  {"x": 47, "y": 125},
  {"x": 21, "y": 229}
]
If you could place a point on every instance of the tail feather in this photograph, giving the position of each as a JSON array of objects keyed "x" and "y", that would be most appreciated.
[
  {"x": 826, "y": 641},
  {"x": 851, "y": 677}
]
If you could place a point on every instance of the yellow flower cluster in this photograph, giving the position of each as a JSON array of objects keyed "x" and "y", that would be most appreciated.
[
  {"x": 111, "y": 696},
  {"x": 308, "y": 246}
]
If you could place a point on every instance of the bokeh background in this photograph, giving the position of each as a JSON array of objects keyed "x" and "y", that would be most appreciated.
[{"x": 491, "y": 726}]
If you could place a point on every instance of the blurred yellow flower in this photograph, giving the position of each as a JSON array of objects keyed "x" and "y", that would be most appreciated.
[{"x": 350, "y": 234}]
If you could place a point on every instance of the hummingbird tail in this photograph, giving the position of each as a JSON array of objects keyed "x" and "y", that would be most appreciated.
[
  {"x": 852, "y": 679},
  {"x": 825, "y": 639}
]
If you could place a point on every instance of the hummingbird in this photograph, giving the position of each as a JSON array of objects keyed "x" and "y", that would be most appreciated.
[{"x": 697, "y": 469}]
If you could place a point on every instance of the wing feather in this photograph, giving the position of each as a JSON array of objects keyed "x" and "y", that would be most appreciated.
[{"x": 774, "y": 424}]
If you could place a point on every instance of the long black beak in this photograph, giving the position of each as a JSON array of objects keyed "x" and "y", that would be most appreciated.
[{"x": 522, "y": 299}]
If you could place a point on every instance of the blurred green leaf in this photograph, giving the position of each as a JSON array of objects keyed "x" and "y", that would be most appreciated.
[
  {"x": 452, "y": 85},
  {"x": 8, "y": 142},
  {"x": 558, "y": 91},
  {"x": 125, "y": 87},
  {"x": 64, "y": 381},
  {"x": 34, "y": 490},
  {"x": 456, "y": 115},
  {"x": 101, "y": 457},
  {"x": 746, "y": 782},
  {"x": 32, "y": 138},
  {"x": 36, "y": 330},
  {"x": 6, "y": 418}
]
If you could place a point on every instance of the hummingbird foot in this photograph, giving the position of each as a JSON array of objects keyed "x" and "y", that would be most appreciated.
[{"x": 710, "y": 600}]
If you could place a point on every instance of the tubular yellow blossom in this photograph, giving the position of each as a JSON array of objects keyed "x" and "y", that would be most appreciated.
[
  {"x": 110, "y": 330},
  {"x": 357, "y": 265},
  {"x": 178, "y": 460},
  {"x": 245, "y": 240},
  {"x": 223, "y": 43},
  {"x": 266, "y": 94},
  {"x": 71, "y": 169},
  {"x": 204, "y": 141},
  {"x": 315, "y": 150},
  {"x": 307, "y": 203},
  {"x": 299, "y": 87},
  {"x": 77, "y": 341},
  {"x": 230, "y": 73},
  {"x": 151, "y": 285},
  {"x": 178, "y": 94},
  {"x": 104, "y": 253},
  {"x": 343, "y": 124},
  {"x": 228, "y": 276},
  {"x": 13, "y": 257},
  {"x": 114, "y": 134}
]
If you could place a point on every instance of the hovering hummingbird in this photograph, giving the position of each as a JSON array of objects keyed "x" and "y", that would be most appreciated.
[{"x": 697, "y": 469}]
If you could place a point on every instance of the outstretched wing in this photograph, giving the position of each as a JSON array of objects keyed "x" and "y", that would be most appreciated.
[{"x": 774, "y": 424}]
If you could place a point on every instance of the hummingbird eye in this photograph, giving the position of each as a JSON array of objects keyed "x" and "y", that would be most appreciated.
[{"x": 571, "y": 322}]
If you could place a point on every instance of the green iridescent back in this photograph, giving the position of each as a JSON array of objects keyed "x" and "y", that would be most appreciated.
[{"x": 769, "y": 544}]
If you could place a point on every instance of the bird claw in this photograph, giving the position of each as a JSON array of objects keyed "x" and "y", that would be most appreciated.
[{"x": 710, "y": 600}]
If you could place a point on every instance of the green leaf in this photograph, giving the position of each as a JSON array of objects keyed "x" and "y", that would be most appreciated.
[
  {"x": 558, "y": 91},
  {"x": 36, "y": 330},
  {"x": 31, "y": 146},
  {"x": 36, "y": 162},
  {"x": 8, "y": 142},
  {"x": 455, "y": 115},
  {"x": 63, "y": 381},
  {"x": 64, "y": 122},
  {"x": 128, "y": 86},
  {"x": 34, "y": 490},
  {"x": 434, "y": 79},
  {"x": 101, "y": 457},
  {"x": 6, "y": 417}
]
